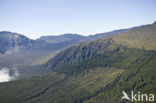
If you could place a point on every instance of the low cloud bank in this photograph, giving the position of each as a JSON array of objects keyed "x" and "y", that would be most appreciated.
[{"x": 5, "y": 74}]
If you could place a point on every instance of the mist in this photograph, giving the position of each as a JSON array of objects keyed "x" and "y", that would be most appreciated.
[{"x": 7, "y": 74}]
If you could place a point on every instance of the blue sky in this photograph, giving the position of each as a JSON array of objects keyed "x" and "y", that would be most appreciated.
[{"x": 34, "y": 18}]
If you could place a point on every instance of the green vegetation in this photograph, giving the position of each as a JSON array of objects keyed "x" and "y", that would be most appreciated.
[
  {"x": 101, "y": 78},
  {"x": 94, "y": 72}
]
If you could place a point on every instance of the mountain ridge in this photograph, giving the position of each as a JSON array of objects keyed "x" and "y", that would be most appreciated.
[
  {"x": 39, "y": 51},
  {"x": 133, "y": 38},
  {"x": 45, "y": 42}
]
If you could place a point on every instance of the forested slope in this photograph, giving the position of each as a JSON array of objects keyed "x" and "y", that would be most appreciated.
[{"x": 94, "y": 72}]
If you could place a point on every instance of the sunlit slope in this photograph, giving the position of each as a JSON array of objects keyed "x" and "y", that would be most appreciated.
[{"x": 143, "y": 37}]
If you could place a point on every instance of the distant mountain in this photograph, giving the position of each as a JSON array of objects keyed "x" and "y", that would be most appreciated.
[
  {"x": 13, "y": 42},
  {"x": 75, "y": 38},
  {"x": 63, "y": 38},
  {"x": 92, "y": 72},
  {"x": 57, "y": 42}
]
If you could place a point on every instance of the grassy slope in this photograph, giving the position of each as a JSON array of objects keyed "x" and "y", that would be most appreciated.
[{"x": 140, "y": 37}]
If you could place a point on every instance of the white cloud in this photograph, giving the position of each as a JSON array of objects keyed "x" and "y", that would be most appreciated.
[{"x": 5, "y": 74}]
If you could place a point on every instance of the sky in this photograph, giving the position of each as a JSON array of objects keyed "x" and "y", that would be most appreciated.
[{"x": 35, "y": 18}]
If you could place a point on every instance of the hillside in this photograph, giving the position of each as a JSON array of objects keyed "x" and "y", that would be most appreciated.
[
  {"x": 92, "y": 72},
  {"x": 100, "y": 35},
  {"x": 97, "y": 79},
  {"x": 143, "y": 37},
  {"x": 22, "y": 53}
]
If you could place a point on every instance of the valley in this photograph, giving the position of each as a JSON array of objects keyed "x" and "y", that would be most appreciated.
[{"x": 90, "y": 72}]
